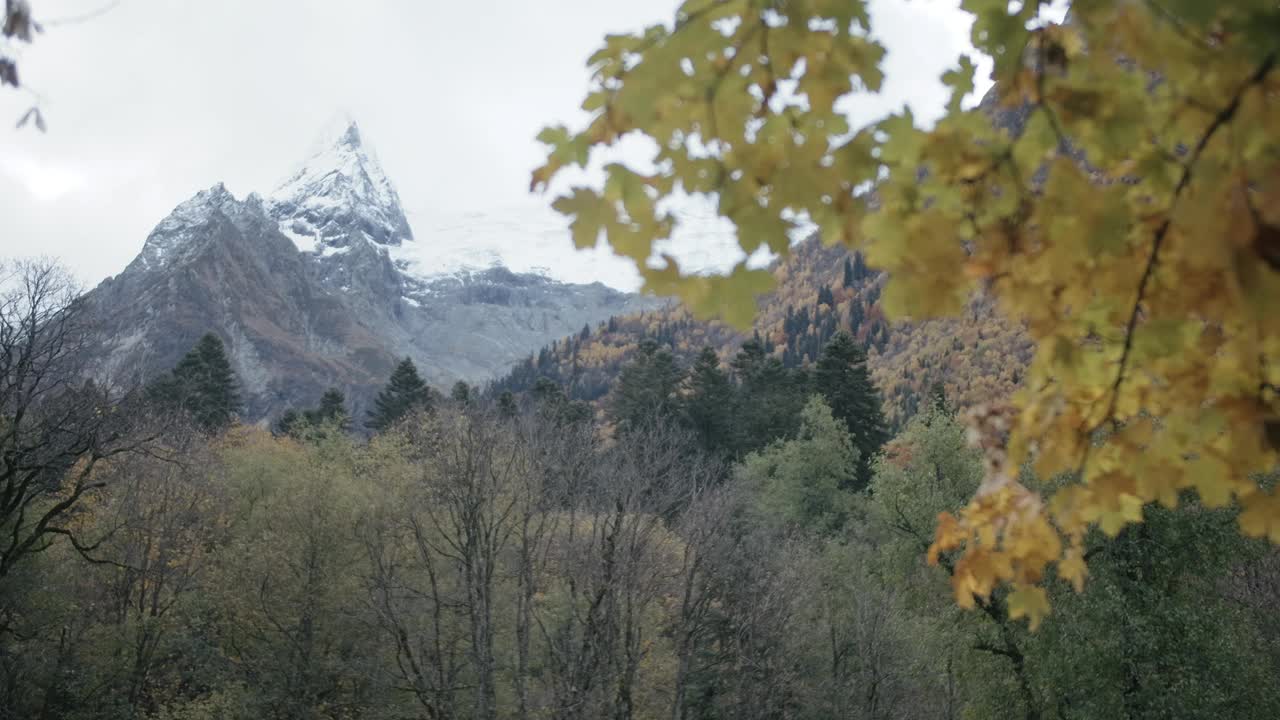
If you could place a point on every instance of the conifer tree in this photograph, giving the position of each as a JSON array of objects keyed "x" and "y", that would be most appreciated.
[
  {"x": 288, "y": 422},
  {"x": 331, "y": 410},
  {"x": 860, "y": 270},
  {"x": 507, "y": 406},
  {"x": 461, "y": 393},
  {"x": 203, "y": 385},
  {"x": 769, "y": 398},
  {"x": 646, "y": 389},
  {"x": 826, "y": 297},
  {"x": 938, "y": 398},
  {"x": 842, "y": 378},
  {"x": 405, "y": 391},
  {"x": 708, "y": 405}
]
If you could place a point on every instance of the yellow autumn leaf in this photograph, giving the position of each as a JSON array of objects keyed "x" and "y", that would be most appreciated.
[{"x": 1030, "y": 602}]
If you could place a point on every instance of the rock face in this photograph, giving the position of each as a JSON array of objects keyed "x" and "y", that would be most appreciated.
[{"x": 305, "y": 290}]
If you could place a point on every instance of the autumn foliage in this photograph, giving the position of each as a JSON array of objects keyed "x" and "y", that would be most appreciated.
[{"x": 1123, "y": 206}]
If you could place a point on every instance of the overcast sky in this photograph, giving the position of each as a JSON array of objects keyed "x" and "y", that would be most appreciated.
[{"x": 155, "y": 99}]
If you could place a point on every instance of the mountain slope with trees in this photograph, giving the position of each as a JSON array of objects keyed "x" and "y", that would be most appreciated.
[{"x": 976, "y": 357}]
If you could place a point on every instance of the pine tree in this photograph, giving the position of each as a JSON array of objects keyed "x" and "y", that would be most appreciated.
[
  {"x": 708, "y": 405},
  {"x": 842, "y": 378},
  {"x": 507, "y": 406},
  {"x": 860, "y": 270},
  {"x": 847, "y": 281},
  {"x": 332, "y": 410},
  {"x": 646, "y": 391},
  {"x": 203, "y": 385},
  {"x": 938, "y": 398},
  {"x": 461, "y": 393},
  {"x": 405, "y": 391},
  {"x": 769, "y": 398},
  {"x": 288, "y": 422}
]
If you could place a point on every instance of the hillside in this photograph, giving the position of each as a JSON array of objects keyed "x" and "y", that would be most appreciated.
[{"x": 820, "y": 290}]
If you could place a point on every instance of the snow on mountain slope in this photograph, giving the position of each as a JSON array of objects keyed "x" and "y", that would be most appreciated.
[
  {"x": 324, "y": 285},
  {"x": 534, "y": 238},
  {"x": 340, "y": 197},
  {"x": 340, "y": 188}
]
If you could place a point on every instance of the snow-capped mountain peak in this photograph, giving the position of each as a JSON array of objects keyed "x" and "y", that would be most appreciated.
[
  {"x": 183, "y": 231},
  {"x": 339, "y": 196}
]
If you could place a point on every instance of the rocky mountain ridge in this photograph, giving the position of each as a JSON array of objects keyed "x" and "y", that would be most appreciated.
[{"x": 308, "y": 290}]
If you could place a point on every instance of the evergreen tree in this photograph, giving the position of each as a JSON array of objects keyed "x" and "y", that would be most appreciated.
[
  {"x": 860, "y": 270},
  {"x": 554, "y": 403},
  {"x": 847, "y": 280},
  {"x": 331, "y": 410},
  {"x": 646, "y": 389},
  {"x": 461, "y": 393},
  {"x": 203, "y": 385},
  {"x": 507, "y": 406},
  {"x": 708, "y": 405},
  {"x": 842, "y": 378},
  {"x": 938, "y": 398},
  {"x": 405, "y": 391},
  {"x": 288, "y": 422},
  {"x": 769, "y": 398}
]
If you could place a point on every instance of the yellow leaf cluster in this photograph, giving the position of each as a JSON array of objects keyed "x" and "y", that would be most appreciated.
[{"x": 1119, "y": 195}]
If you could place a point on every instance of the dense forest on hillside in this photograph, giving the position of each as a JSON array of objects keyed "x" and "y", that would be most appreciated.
[
  {"x": 977, "y": 356},
  {"x": 716, "y": 546}
]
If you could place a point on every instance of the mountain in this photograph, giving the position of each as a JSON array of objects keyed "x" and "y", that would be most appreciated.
[
  {"x": 820, "y": 290},
  {"x": 321, "y": 284}
]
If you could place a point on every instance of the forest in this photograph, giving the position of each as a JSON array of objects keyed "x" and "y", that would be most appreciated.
[
  {"x": 819, "y": 291},
  {"x": 1000, "y": 440},
  {"x": 735, "y": 540}
]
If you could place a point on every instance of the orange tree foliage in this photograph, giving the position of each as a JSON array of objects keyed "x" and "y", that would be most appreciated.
[{"x": 1131, "y": 218}]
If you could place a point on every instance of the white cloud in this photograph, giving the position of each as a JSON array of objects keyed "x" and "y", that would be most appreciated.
[
  {"x": 156, "y": 99},
  {"x": 43, "y": 181}
]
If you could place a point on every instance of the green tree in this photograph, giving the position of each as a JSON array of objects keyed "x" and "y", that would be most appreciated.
[
  {"x": 842, "y": 378},
  {"x": 507, "y": 406},
  {"x": 1157, "y": 633},
  {"x": 461, "y": 393},
  {"x": 405, "y": 391},
  {"x": 1087, "y": 194},
  {"x": 803, "y": 481},
  {"x": 288, "y": 422},
  {"x": 646, "y": 392},
  {"x": 768, "y": 401},
  {"x": 938, "y": 397},
  {"x": 707, "y": 404},
  {"x": 203, "y": 385},
  {"x": 332, "y": 410}
]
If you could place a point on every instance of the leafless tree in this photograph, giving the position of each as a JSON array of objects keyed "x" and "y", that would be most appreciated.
[
  {"x": 56, "y": 426},
  {"x": 562, "y": 451},
  {"x": 411, "y": 586},
  {"x": 615, "y": 556},
  {"x": 470, "y": 471},
  {"x": 708, "y": 541},
  {"x": 163, "y": 520}
]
